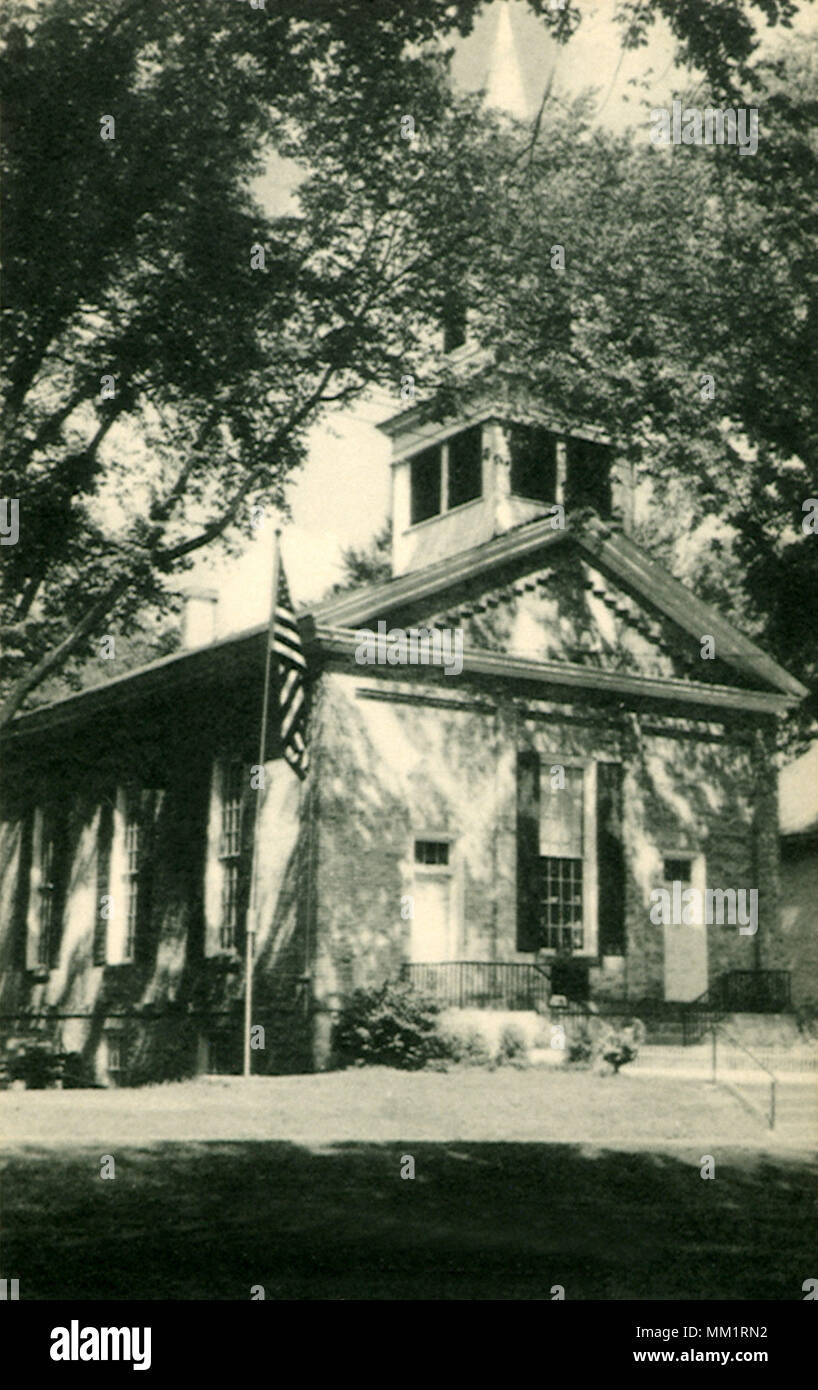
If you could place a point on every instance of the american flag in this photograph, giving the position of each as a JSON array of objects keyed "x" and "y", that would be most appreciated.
[{"x": 291, "y": 667}]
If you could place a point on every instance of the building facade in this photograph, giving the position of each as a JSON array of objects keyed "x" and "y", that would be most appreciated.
[{"x": 514, "y": 743}]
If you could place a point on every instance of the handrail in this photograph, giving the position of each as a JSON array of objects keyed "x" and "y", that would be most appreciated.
[
  {"x": 746, "y": 1049},
  {"x": 758, "y": 1062}
]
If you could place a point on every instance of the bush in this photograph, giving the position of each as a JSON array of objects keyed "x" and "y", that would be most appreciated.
[
  {"x": 581, "y": 1050},
  {"x": 806, "y": 1016},
  {"x": 392, "y": 1026},
  {"x": 467, "y": 1044},
  {"x": 513, "y": 1048},
  {"x": 36, "y": 1062},
  {"x": 618, "y": 1046}
]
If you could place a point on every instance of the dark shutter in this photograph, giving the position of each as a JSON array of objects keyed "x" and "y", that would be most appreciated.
[
  {"x": 528, "y": 851},
  {"x": 22, "y": 892},
  {"x": 105, "y": 835},
  {"x": 610, "y": 852},
  {"x": 149, "y": 801},
  {"x": 251, "y": 798},
  {"x": 60, "y": 830}
]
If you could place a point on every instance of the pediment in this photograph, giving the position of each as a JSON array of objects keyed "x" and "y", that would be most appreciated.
[{"x": 569, "y": 610}]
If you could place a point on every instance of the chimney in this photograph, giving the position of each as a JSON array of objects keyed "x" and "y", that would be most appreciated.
[{"x": 199, "y": 618}]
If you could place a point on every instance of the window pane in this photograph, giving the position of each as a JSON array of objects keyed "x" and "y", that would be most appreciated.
[
  {"x": 425, "y": 469},
  {"x": 676, "y": 870},
  {"x": 431, "y": 851},
  {"x": 231, "y": 810},
  {"x": 533, "y": 453},
  {"x": 561, "y": 814},
  {"x": 465, "y": 466},
  {"x": 561, "y": 903},
  {"x": 230, "y": 905},
  {"x": 587, "y": 483}
]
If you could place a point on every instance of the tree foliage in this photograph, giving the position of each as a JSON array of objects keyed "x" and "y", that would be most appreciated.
[
  {"x": 159, "y": 379},
  {"x": 157, "y": 385}
]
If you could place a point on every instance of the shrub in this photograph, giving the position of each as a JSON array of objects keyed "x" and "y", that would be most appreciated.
[
  {"x": 618, "y": 1046},
  {"x": 467, "y": 1045},
  {"x": 513, "y": 1048},
  {"x": 36, "y": 1062},
  {"x": 392, "y": 1026},
  {"x": 581, "y": 1050}
]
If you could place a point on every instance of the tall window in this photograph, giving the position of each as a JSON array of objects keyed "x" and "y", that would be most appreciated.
[
  {"x": 230, "y": 853},
  {"x": 50, "y": 904},
  {"x": 561, "y": 862},
  {"x": 133, "y": 863},
  {"x": 105, "y": 834},
  {"x": 465, "y": 466},
  {"x": 426, "y": 480}
]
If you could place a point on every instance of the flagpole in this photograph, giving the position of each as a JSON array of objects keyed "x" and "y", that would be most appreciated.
[{"x": 252, "y": 916}]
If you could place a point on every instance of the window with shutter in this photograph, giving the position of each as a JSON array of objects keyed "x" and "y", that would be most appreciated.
[
  {"x": 105, "y": 835},
  {"x": 234, "y": 853},
  {"x": 610, "y": 860},
  {"x": 557, "y": 889},
  {"x": 561, "y": 862}
]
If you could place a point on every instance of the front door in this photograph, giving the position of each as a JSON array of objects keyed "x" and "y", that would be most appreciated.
[
  {"x": 431, "y": 922},
  {"x": 685, "y": 943}
]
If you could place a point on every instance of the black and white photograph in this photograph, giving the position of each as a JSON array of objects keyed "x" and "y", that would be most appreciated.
[{"x": 408, "y": 666}]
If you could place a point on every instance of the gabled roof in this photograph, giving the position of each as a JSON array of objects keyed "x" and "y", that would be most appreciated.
[
  {"x": 413, "y": 596},
  {"x": 614, "y": 554}
]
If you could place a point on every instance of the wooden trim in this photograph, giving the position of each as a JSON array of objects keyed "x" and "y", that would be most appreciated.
[
  {"x": 648, "y": 580},
  {"x": 342, "y": 644},
  {"x": 611, "y": 552}
]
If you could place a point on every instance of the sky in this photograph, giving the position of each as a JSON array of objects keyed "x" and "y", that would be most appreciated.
[{"x": 341, "y": 497}]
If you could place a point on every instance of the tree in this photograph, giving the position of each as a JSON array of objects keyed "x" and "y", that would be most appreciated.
[
  {"x": 368, "y": 564},
  {"x": 168, "y": 341},
  {"x": 670, "y": 297}
]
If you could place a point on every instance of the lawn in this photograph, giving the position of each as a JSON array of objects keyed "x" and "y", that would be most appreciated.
[{"x": 524, "y": 1180}]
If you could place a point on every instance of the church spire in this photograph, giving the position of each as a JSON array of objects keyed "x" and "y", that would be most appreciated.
[{"x": 504, "y": 84}]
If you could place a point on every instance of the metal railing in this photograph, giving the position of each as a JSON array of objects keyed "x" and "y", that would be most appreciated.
[
  {"x": 753, "y": 991},
  {"x": 718, "y": 1029},
  {"x": 462, "y": 984}
]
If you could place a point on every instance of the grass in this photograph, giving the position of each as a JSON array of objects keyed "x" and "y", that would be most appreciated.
[{"x": 523, "y": 1180}]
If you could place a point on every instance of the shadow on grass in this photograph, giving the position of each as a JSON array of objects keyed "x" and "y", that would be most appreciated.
[{"x": 479, "y": 1221}]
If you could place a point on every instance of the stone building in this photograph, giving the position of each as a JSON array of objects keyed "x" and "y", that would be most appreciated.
[
  {"x": 545, "y": 728},
  {"x": 798, "y": 813}
]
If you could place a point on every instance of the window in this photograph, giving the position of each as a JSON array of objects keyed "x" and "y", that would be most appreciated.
[
  {"x": 432, "y": 852},
  {"x": 465, "y": 467},
  {"x": 132, "y": 873},
  {"x": 122, "y": 932},
  {"x": 677, "y": 870},
  {"x": 460, "y": 462},
  {"x": 230, "y": 853},
  {"x": 588, "y": 476},
  {"x": 425, "y": 485},
  {"x": 454, "y": 317},
  {"x": 105, "y": 832},
  {"x": 50, "y": 905},
  {"x": 533, "y": 453},
  {"x": 561, "y": 862},
  {"x": 113, "y": 1042}
]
